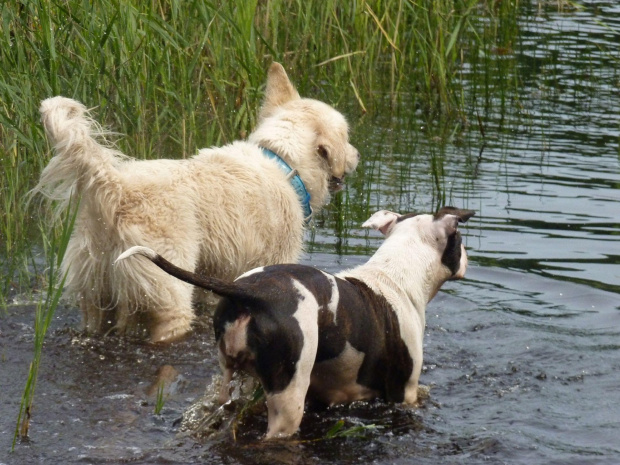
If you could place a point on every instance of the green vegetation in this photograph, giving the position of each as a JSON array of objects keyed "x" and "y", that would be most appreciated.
[
  {"x": 358, "y": 431},
  {"x": 160, "y": 398},
  {"x": 55, "y": 246}
]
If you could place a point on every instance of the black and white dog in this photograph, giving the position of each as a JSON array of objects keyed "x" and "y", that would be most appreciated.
[{"x": 353, "y": 336}]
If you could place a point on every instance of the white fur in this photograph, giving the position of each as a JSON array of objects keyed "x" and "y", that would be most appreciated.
[
  {"x": 220, "y": 213},
  {"x": 137, "y": 249},
  {"x": 250, "y": 272},
  {"x": 332, "y": 306},
  {"x": 408, "y": 272}
]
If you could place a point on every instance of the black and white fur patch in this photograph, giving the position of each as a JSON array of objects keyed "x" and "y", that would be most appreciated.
[
  {"x": 336, "y": 338},
  {"x": 348, "y": 311}
]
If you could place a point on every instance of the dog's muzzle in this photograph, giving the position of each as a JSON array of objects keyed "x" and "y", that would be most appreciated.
[{"x": 336, "y": 184}]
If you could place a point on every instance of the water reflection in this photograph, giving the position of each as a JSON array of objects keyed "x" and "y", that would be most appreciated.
[{"x": 543, "y": 173}]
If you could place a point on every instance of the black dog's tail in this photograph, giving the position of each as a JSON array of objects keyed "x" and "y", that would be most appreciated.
[{"x": 218, "y": 286}]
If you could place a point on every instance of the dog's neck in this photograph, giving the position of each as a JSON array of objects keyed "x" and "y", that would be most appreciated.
[
  {"x": 296, "y": 182},
  {"x": 411, "y": 274},
  {"x": 297, "y": 147}
]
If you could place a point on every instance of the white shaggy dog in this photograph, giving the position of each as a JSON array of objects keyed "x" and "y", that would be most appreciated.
[{"x": 220, "y": 213}]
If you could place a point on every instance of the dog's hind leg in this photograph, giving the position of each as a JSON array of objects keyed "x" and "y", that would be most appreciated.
[
  {"x": 285, "y": 411},
  {"x": 171, "y": 319},
  {"x": 224, "y": 394},
  {"x": 286, "y": 407},
  {"x": 161, "y": 303},
  {"x": 96, "y": 305},
  {"x": 91, "y": 316}
]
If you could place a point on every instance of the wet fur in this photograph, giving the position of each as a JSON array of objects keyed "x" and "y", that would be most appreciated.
[{"x": 219, "y": 213}]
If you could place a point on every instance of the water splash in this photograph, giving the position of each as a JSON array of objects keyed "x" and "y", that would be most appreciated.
[{"x": 207, "y": 419}]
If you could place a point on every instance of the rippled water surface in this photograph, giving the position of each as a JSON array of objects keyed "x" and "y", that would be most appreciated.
[{"x": 522, "y": 357}]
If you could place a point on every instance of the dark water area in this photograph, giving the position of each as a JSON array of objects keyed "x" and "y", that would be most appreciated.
[{"x": 522, "y": 357}]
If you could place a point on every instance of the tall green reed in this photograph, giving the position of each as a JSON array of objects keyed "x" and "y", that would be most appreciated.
[{"x": 55, "y": 246}]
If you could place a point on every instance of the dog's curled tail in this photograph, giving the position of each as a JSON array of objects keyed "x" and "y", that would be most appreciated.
[
  {"x": 81, "y": 163},
  {"x": 218, "y": 286},
  {"x": 66, "y": 123}
]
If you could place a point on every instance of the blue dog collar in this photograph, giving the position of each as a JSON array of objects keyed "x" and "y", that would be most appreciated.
[{"x": 296, "y": 182}]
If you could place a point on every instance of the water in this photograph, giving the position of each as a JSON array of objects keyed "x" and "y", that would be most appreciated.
[{"x": 522, "y": 357}]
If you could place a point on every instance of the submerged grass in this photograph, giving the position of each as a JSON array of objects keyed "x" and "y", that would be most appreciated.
[{"x": 160, "y": 398}]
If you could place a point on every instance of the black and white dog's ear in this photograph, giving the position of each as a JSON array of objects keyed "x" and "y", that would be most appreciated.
[
  {"x": 462, "y": 215},
  {"x": 382, "y": 221}
]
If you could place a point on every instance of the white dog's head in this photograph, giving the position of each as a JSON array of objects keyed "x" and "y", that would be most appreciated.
[
  {"x": 433, "y": 241},
  {"x": 310, "y": 135}
]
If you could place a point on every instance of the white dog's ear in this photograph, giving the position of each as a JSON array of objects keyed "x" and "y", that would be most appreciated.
[
  {"x": 279, "y": 90},
  {"x": 382, "y": 221}
]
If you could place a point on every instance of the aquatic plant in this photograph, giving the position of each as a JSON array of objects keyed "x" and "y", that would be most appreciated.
[
  {"x": 55, "y": 246},
  {"x": 338, "y": 430},
  {"x": 160, "y": 398}
]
